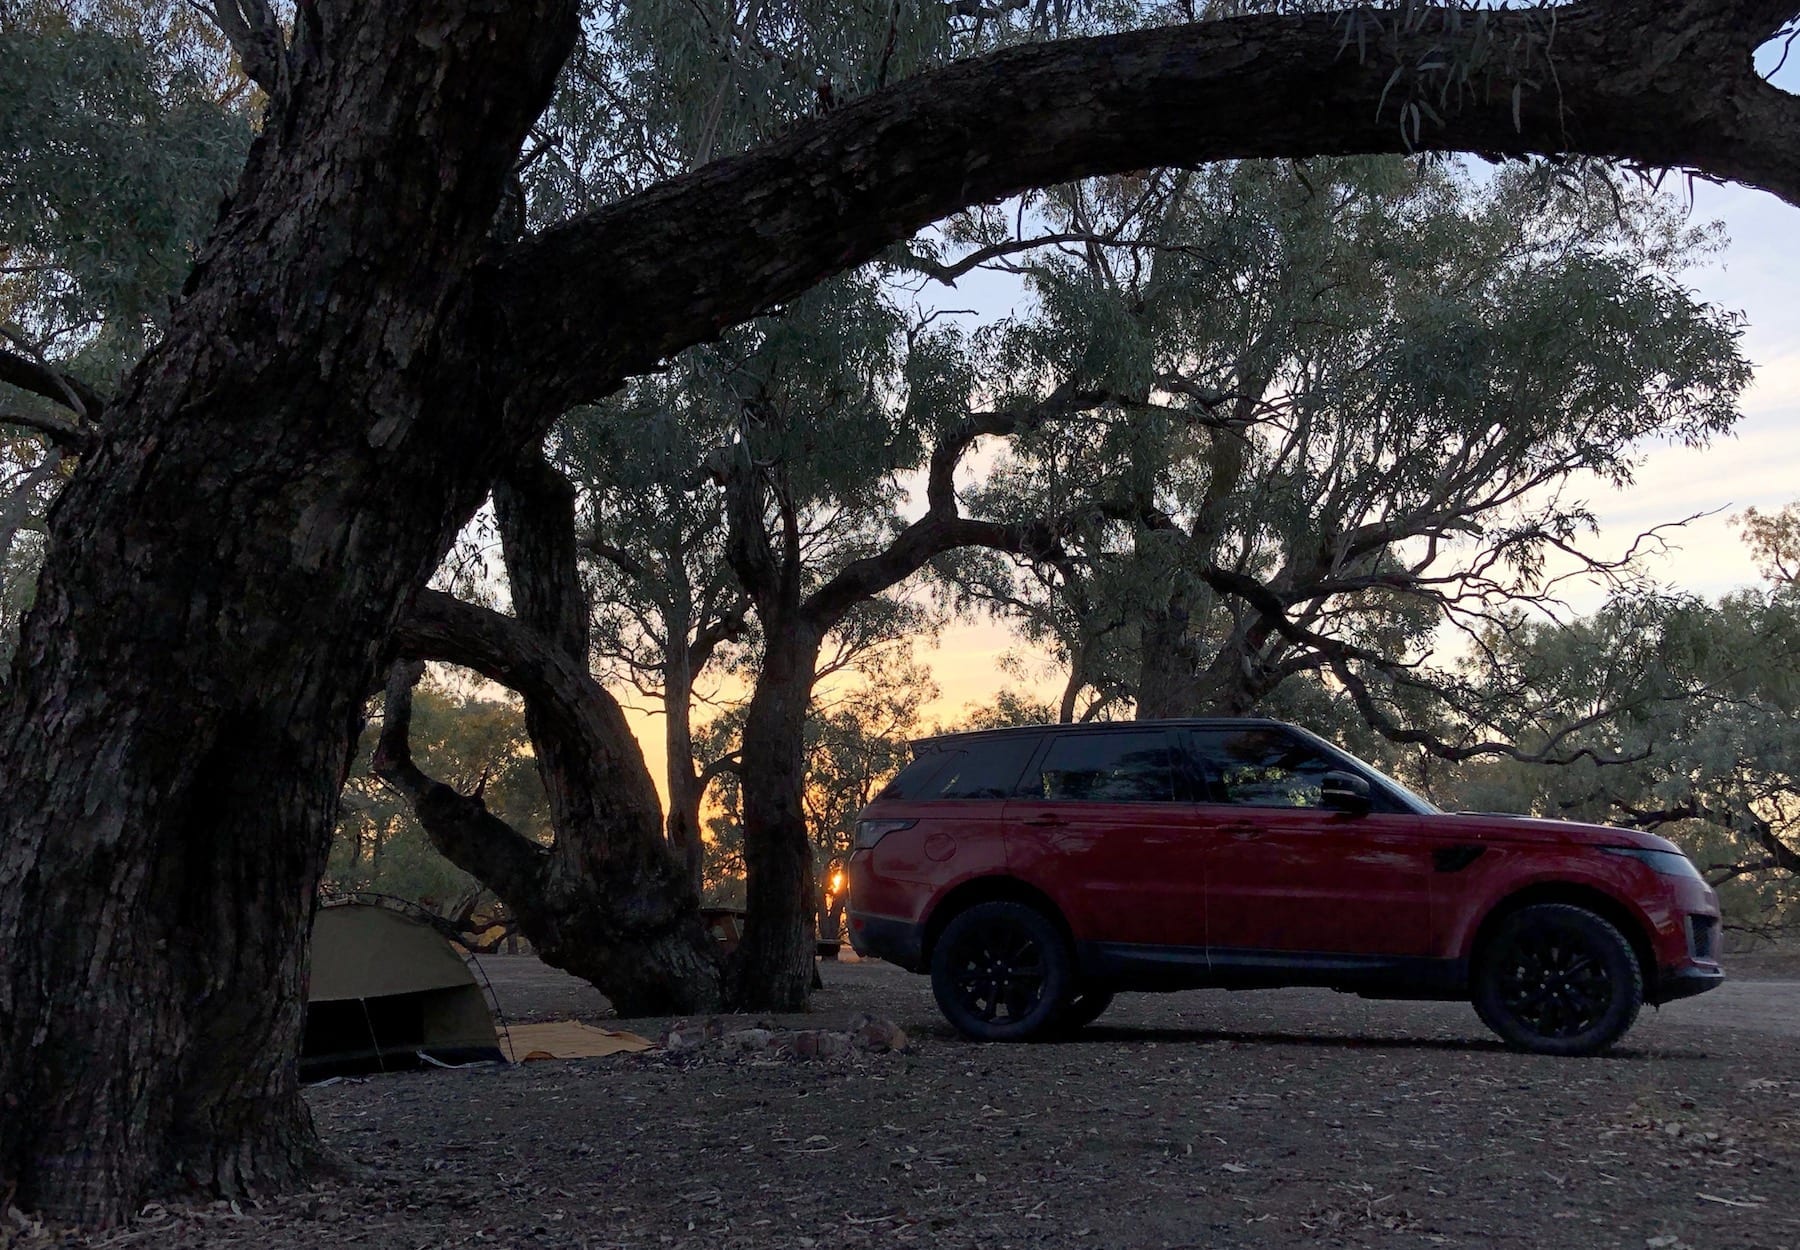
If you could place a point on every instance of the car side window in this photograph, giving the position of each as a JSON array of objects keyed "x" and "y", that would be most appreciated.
[
  {"x": 984, "y": 769},
  {"x": 1261, "y": 767},
  {"x": 1107, "y": 768}
]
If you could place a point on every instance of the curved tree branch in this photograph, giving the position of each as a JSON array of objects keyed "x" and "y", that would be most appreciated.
[
  {"x": 52, "y": 384},
  {"x": 254, "y": 32},
  {"x": 459, "y": 825},
  {"x": 583, "y": 305}
]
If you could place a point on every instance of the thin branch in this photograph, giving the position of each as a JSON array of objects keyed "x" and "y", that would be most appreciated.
[
  {"x": 75, "y": 437},
  {"x": 42, "y": 380}
]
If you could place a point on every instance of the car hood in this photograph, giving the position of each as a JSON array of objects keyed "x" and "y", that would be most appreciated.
[{"x": 1500, "y": 827}]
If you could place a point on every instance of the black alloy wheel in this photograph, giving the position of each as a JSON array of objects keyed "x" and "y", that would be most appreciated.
[
  {"x": 1557, "y": 979},
  {"x": 1000, "y": 972}
]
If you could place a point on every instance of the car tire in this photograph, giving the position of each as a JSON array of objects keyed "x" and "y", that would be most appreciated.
[
  {"x": 1084, "y": 1008},
  {"x": 1556, "y": 979},
  {"x": 1000, "y": 972}
]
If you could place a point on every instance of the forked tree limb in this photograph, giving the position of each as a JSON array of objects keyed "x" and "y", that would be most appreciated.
[{"x": 459, "y": 825}]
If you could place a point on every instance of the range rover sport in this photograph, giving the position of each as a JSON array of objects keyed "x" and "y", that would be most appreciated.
[{"x": 1035, "y": 872}]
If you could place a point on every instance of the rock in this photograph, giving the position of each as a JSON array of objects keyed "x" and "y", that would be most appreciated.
[
  {"x": 686, "y": 1035},
  {"x": 816, "y": 1044},
  {"x": 748, "y": 1040},
  {"x": 876, "y": 1035}
]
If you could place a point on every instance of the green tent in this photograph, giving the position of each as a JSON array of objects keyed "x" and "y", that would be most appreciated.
[{"x": 389, "y": 992}]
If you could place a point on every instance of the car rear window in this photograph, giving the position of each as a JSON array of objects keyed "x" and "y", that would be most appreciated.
[
  {"x": 1107, "y": 768},
  {"x": 982, "y": 769},
  {"x": 910, "y": 782}
]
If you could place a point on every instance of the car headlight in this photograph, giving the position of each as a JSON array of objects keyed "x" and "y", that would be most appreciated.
[
  {"x": 869, "y": 832},
  {"x": 1666, "y": 863}
]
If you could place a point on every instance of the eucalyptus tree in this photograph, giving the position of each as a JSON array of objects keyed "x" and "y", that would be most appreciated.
[
  {"x": 651, "y": 531},
  {"x": 122, "y": 127},
  {"x": 605, "y": 897},
  {"x": 1687, "y": 722},
  {"x": 356, "y": 356},
  {"x": 1352, "y": 404},
  {"x": 652, "y": 90}
]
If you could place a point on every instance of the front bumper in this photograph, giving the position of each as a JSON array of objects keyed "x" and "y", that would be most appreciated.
[
  {"x": 883, "y": 937},
  {"x": 1686, "y": 981}
]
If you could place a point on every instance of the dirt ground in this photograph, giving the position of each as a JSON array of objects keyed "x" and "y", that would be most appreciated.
[{"x": 1266, "y": 1119}]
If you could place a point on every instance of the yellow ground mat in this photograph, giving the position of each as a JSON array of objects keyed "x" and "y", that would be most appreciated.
[{"x": 569, "y": 1039}]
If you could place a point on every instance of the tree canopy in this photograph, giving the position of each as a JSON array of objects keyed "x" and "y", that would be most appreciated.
[{"x": 1331, "y": 411}]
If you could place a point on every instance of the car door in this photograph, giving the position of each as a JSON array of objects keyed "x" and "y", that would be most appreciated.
[
  {"x": 1286, "y": 875},
  {"x": 1103, "y": 824}
]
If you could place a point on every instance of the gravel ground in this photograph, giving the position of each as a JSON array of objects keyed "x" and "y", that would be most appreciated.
[{"x": 1273, "y": 1118}]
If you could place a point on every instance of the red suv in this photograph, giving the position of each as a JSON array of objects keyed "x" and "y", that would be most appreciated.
[{"x": 1035, "y": 872}]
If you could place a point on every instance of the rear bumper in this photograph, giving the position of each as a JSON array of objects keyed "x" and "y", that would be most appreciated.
[
  {"x": 1686, "y": 981},
  {"x": 883, "y": 937}
]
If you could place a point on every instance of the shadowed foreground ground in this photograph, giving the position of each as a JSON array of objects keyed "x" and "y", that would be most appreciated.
[{"x": 1205, "y": 1119}]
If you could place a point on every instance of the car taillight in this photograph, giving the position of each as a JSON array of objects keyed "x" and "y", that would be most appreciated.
[{"x": 869, "y": 832}]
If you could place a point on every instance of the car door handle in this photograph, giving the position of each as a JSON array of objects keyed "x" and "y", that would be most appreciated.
[
  {"x": 1244, "y": 833},
  {"x": 1050, "y": 821}
]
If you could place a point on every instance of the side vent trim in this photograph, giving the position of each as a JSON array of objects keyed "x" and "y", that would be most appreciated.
[{"x": 1456, "y": 858}]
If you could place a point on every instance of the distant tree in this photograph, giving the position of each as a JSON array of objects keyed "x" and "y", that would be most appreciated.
[
  {"x": 1333, "y": 411},
  {"x": 856, "y": 738},
  {"x": 1009, "y": 707},
  {"x": 667, "y": 609},
  {"x": 1689, "y": 725}
]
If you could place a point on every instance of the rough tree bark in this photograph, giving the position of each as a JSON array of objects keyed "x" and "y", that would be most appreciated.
[
  {"x": 609, "y": 901},
  {"x": 349, "y": 365},
  {"x": 224, "y": 569},
  {"x": 772, "y": 968}
]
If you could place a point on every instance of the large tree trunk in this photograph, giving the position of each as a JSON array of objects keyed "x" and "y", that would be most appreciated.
[
  {"x": 294, "y": 455},
  {"x": 773, "y": 966},
  {"x": 1168, "y": 660},
  {"x": 609, "y": 901}
]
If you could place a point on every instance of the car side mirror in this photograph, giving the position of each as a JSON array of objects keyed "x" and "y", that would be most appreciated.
[{"x": 1344, "y": 792}]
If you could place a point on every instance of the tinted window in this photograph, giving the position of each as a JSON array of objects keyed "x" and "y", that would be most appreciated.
[
  {"x": 911, "y": 782},
  {"x": 1107, "y": 768},
  {"x": 1261, "y": 767},
  {"x": 983, "y": 769}
]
